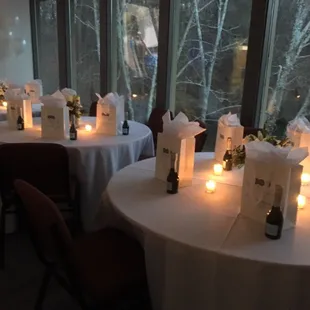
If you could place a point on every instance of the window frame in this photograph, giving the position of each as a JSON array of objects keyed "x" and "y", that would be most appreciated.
[{"x": 168, "y": 17}]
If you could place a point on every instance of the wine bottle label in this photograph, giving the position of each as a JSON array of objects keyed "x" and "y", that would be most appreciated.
[
  {"x": 169, "y": 186},
  {"x": 72, "y": 135},
  {"x": 125, "y": 131},
  {"x": 271, "y": 230}
]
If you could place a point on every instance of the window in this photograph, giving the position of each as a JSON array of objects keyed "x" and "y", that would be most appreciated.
[
  {"x": 85, "y": 42},
  {"x": 211, "y": 59},
  {"x": 287, "y": 88},
  {"x": 48, "y": 45},
  {"x": 137, "y": 48}
]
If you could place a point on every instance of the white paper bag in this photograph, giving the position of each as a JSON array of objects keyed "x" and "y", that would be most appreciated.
[
  {"x": 258, "y": 190},
  {"x": 228, "y": 127},
  {"x": 299, "y": 133},
  {"x": 110, "y": 114},
  {"x": 34, "y": 90},
  {"x": 55, "y": 122},
  {"x": 13, "y": 109},
  {"x": 185, "y": 150}
]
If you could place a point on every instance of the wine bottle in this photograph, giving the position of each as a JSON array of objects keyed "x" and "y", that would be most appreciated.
[
  {"x": 227, "y": 159},
  {"x": 20, "y": 121},
  {"x": 274, "y": 218},
  {"x": 73, "y": 131},
  {"x": 173, "y": 177},
  {"x": 125, "y": 128}
]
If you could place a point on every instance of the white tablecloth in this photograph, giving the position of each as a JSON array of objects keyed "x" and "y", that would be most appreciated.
[
  {"x": 200, "y": 253},
  {"x": 93, "y": 158},
  {"x": 36, "y": 111}
]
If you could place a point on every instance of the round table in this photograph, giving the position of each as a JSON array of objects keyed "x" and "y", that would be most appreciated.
[
  {"x": 201, "y": 253},
  {"x": 36, "y": 111},
  {"x": 94, "y": 158}
]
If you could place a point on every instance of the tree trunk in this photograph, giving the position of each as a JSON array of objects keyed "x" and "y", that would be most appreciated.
[{"x": 222, "y": 11}]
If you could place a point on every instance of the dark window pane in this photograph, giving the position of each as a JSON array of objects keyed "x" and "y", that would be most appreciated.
[
  {"x": 137, "y": 28},
  {"x": 48, "y": 45}
]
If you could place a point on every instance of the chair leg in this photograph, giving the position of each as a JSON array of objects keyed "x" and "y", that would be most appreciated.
[
  {"x": 2, "y": 236},
  {"x": 43, "y": 288}
]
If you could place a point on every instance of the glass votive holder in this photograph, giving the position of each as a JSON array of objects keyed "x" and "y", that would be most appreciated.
[
  {"x": 305, "y": 179},
  {"x": 210, "y": 186},
  {"x": 217, "y": 169},
  {"x": 5, "y": 104},
  {"x": 301, "y": 201},
  {"x": 88, "y": 128}
]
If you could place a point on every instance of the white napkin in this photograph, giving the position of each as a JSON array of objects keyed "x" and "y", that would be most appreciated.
[
  {"x": 12, "y": 94},
  {"x": 57, "y": 100},
  {"x": 300, "y": 124},
  {"x": 180, "y": 127},
  {"x": 68, "y": 93},
  {"x": 266, "y": 152},
  {"x": 230, "y": 120},
  {"x": 111, "y": 99}
]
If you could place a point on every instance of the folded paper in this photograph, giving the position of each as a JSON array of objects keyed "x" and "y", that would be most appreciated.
[
  {"x": 298, "y": 130},
  {"x": 55, "y": 100},
  {"x": 265, "y": 167},
  {"x": 35, "y": 90},
  {"x": 178, "y": 137},
  {"x": 110, "y": 114},
  {"x": 228, "y": 127}
]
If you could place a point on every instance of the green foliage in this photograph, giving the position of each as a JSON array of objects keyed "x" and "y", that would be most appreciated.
[
  {"x": 239, "y": 153},
  {"x": 75, "y": 107}
]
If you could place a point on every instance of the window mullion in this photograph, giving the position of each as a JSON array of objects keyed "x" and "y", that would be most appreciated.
[{"x": 255, "y": 60}]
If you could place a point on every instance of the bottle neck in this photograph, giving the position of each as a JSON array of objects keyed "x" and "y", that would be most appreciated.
[
  {"x": 277, "y": 197},
  {"x": 228, "y": 145},
  {"x": 73, "y": 120},
  {"x": 173, "y": 161}
]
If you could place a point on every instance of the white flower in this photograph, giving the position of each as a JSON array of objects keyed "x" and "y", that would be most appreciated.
[{"x": 68, "y": 93}]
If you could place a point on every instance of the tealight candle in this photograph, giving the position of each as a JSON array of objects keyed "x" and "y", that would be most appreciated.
[
  {"x": 305, "y": 179},
  {"x": 217, "y": 169},
  {"x": 4, "y": 103},
  {"x": 210, "y": 186},
  {"x": 301, "y": 200},
  {"x": 88, "y": 128}
]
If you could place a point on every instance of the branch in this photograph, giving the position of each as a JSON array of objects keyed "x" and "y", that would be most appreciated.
[
  {"x": 223, "y": 109},
  {"x": 87, "y": 24}
]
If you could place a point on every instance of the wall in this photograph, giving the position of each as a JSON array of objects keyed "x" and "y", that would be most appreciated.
[{"x": 15, "y": 41}]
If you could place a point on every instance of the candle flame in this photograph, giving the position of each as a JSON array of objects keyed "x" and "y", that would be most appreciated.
[{"x": 88, "y": 128}]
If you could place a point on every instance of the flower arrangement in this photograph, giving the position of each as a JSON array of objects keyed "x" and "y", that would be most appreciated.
[
  {"x": 75, "y": 107},
  {"x": 3, "y": 89},
  {"x": 239, "y": 153},
  {"x": 73, "y": 103}
]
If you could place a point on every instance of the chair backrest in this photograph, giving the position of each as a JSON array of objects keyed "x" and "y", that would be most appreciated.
[
  {"x": 43, "y": 217},
  {"x": 155, "y": 122},
  {"x": 93, "y": 109},
  {"x": 44, "y": 165},
  {"x": 201, "y": 138}
]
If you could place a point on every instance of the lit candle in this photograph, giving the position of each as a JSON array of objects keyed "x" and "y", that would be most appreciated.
[
  {"x": 305, "y": 179},
  {"x": 218, "y": 169},
  {"x": 210, "y": 186},
  {"x": 301, "y": 200},
  {"x": 4, "y": 103},
  {"x": 88, "y": 128}
]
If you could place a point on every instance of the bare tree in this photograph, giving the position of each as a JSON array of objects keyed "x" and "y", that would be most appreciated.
[{"x": 286, "y": 74}]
